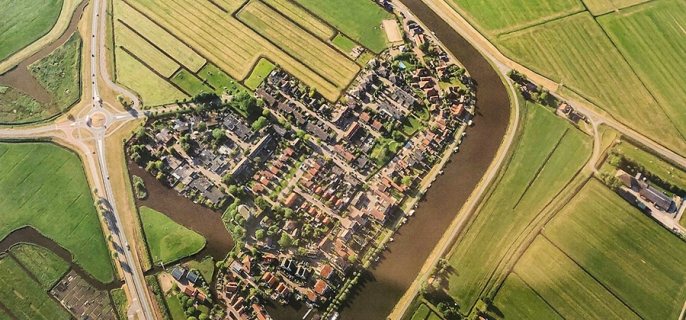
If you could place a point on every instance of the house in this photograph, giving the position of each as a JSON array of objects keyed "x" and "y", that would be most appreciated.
[
  {"x": 178, "y": 272},
  {"x": 659, "y": 199},
  {"x": 259, "y": 312},
  {"x": 326, "y": 271},
  {"x": 321, "y": 287}
]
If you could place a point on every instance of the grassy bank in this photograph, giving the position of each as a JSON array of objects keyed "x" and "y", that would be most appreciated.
[
  {"x": 60, "y": 73},
  {"x": 167, "y": 240}
]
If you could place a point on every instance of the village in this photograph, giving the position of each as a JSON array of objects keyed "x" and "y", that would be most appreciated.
[{"x": 311, "y": 190}]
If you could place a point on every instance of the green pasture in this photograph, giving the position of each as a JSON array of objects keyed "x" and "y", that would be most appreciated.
[
  {"x": 24, "y": 22},
  {"x": 516, "y": 300},
  {"x": 152, "y": 89},
  {"x": 167, "y": 240},
  {"x": 261, "y": 71},
  {"x": 218, "y": 79},
  {"x": 344, "y": 43},
  {"x": 205, "y": 266},
  {"x": 46, "y": 266},
  {"x": 60, "y": 73},
  {"x": 189, "y": 82},
  {"x": 598, "y": 7}
]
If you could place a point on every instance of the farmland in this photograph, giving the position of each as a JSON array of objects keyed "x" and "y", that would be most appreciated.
[
  {"x": 359, "y": 19},
  {"x": 516, "y": 300},
  {"x": 598, "y": 7},
  {"x": 548, "y": 154},
  {"x": 60, "y": 73},
  {"x": 191, "y": 34},
  {"x": 259, "y": 73},
  {"x": 218, "y": 79},
  {"x": 46, "y": 266},
  {"x": 24, "y": 22},
  {"x": 167, "y": 240},
  {"x": 607, "y": 237},
  {"x": 44, "y": 186}
]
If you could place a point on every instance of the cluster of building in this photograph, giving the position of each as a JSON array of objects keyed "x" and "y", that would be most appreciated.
[{"x": 639, "y": 192}]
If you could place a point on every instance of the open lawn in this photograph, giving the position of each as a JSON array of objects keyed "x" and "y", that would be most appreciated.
[
  {"x": 43, "y": 264},
  {"x": 190, "y": 83},
  {"x": 16, "y": 107},
  {"x": 167, "y": 240},
  {"x": 652, "y": 37},
  {"x": 44, "y": 186},
  {"x": 262, "y": 69},
  {"x": 547, "y": 155},
  {"x": 421, "y": 313},
  {"x": 634, "y": 257},
  {"x": 205, "y": 266},
  {"x": 516, "y": 300},
  {"x": 25, "y": 21},
  {"x": 598, "y": 7},
  {"x": 302, "y": 17},
  {"x": 359, "y": 19},
  {"x": 498, "y": 16},
  {"x": 150, "y": 87},
  {"x": 218, "y": 79},
  {"x": 26, "y": 298},
  {"x": 175, "y": 307},
  {"x": 566, "y": 287},
  {"x": 143, "y": 50},
  {"x": 344, "y": 43},
  {"x": 60, "y": 73},
  {"x": 576, "y": 52}
]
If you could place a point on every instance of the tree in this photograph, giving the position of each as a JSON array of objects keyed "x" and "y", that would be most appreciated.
[
  {"x": 260, "y": 123},
  {"x": 202, "y": 316},
  {"x": 285, "y": 241},
  {"x": 218, "y": 134},
  {"x": 352, "y": 258},
  {"x": 259, "y": 234}
]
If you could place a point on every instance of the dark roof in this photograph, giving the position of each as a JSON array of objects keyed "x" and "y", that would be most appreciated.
[
  {"x": 178, "y": 272},
  {"x": 658, "y": 198},
  {"x": 193, "y": 276}
]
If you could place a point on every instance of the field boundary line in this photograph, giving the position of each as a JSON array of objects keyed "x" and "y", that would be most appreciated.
[
  {"x": 538, "y": 294},
  {"x": 535, "y": 24},
  {"x": 6, "y": 310},
  {"x": 218, "y": 6},
  {"x": 591, "y": 275},
  {"x": 145, "y": 64},
  {"x": 181, "y": 65},
  {"x": 629, "y": 7},
  {"x": 24, "y": 268}
]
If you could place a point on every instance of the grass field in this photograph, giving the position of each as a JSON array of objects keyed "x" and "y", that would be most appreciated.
[
  {"x": 344, "y": 43},
  {"x": 634, "y": 257},
  {"x": 44, "y": 186},
  {"x": 576, "y": 52},
  {"x": 26, "y": 298},
  {"x": 421, "y": 313},
  {"x": 262, "y": 69},
  {"x": 157, "y": 60},
  {"x": 17, "y": 107},
  {"x": 219, "y": 79},
  {"x": 175, "y": 307},
  {"x": 25, "y": 21},
  {"x": 566, "y": 287},
  {"x": 60, "y": 73},
  {"x": 598, "y": 7},
  {"x": 303, "y": 18},
  {"x": 548, "y": 154},
  {"x": 151, "y": 88},
  {"x": 492, "y": 18},
  {"x": 46, "y": 266},
  {"x": 205, "y": 266},
  {"x": 359, "y": 19},
  {"x": 653, "y": 39},
  {"x": 189, "y": 83},
  {"x": 653, "y": 164},
  {"x": 120, "y": 302},
  {"x": 167, "y": 240},
  {"x": 516, "y": 300}
]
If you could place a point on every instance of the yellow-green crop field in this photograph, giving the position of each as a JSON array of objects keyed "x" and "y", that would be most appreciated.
[
  {"x": 303, "y": 18},
  {"x": 598, "y": 7}
]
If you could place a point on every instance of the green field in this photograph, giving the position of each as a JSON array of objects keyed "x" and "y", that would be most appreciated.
[
  {"x": 189, "y": 83},
  {"x": 46, "y": 266},
  {"x": 516, "y": 300},
  {"x": 359, "y": 19},
  {"x": 167, "y": 240},
  {"x": 16, "y": 107},
  {"x": 139, "y": 47},
  {"x": 598, "y": 7},
  {"x": 634, "y": 257},
  {"x": 638, "y": 33},
  {"x": 421, "y": 313},
  {"x": 25, "y": 21},
  {"x": 26, "y": 298},
  {"x": 547, "y": 155},
  {"x": 151, "y": 88},
  {"x": 303, "y": 18},
  {"x": 44, "y": 186},
  {"x": 175, "y": 307},
  {"x": 493, "y": 18},
  {"x": 262, "y": 69},
  {"x": 344, "y": 43},
  {"x": 218, "y": 79},
  {"x": 568, "y": 289},
  {"x": 120, "y": 302},
  {"x": 60, "y": 73},
  {"x": 205, "y": 266}
]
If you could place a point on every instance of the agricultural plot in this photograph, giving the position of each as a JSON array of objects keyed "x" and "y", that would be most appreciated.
[
  {"x": 167, "y": 240},
  {"x": 43, "y": 264},
  {"x": 344, "y": 43},
  {"x": 262, "y": 69},
  {"x": 598, "y": 7},
  {"x": 153, "y": 89},
  {"x": 189, "y": 83},
  {"x": 24, "y": 22},
  {"x": 26, "y": 298},
  {"x": 44, "y": 186},
  {"x": 219, "y": 79},
  {"x": 492, "y": 17},
  {"x": 629, "y": 254},
  {"x": 302, "y": 18},
  {"x": 566, "y": 287},
  {"x": 60, "y": 73},
  {"x": 359, "y": 19},
  {"x": 652, "y": 37},
  {"x": 575, "y": 52},
  {"x": 547, "y": 156},
  {"x": 136, "y": 46},
  {"x": 516, "y": 300}
]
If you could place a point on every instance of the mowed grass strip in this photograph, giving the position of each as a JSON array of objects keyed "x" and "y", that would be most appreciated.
[
  {"x": 139, "y": 47},
  {"x": 161, "y": 38},
  {"x": 46, "y": 266},
  {"x": 303, "y": 18},
  {"x": 344, "y": 43},
  {"x": 168, "y": 241},
  {"x": 25, "y": 298},
  {"x": 499, "y": 16},
  {"x": 230, "y": 5},
  {"x": 226, "y": 41},
  {"x": 576, "y": 52},
  {"x": 637, "y": 259},
  {"x": 219, "y": 79},
  {"x": 653, "y": 39},
  {"x": 537, "y": 171},
  {"x": 60, "y": 73},
  {"x": 149, "y": 86},
  {"x": 571, "y": 291},
  {"x": 261, "y": 71},
  {"x": 359, "y": 19},
  {"x": 25, "y": 21},
  {"x": 44, "y": 186},
  {"x": 189, "y": 82},
  {"x": 516, "y": 300},
  {"x": 330, "y": 63},
  {"x": 598, "y": 7}
]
